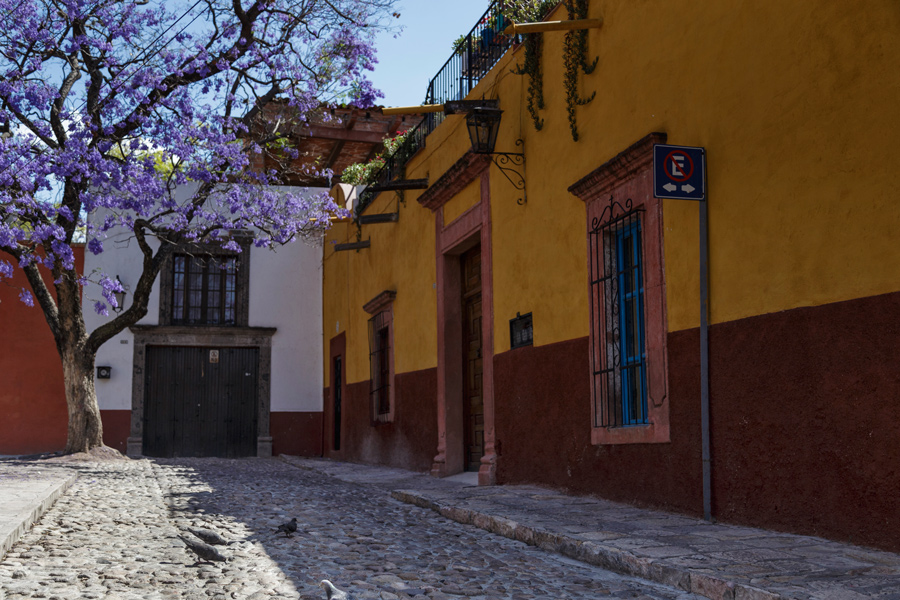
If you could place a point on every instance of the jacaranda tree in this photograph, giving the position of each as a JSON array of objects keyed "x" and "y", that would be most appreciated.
[{"x": 108, "y": 106}]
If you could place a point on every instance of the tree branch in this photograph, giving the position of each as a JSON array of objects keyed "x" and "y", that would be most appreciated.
[
  {"x": 40, "y": 290},
  {"x": 172, "y": 82},
  {"x": 64, "y": 90},
  {"x": 152, "y": 264}
]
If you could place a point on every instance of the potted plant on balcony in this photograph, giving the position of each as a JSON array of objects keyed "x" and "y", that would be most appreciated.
[
  {"x": 461, "y": 47},
  {"x": 365, "y": 173}
]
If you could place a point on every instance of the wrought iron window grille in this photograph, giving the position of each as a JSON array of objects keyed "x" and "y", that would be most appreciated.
[
  {"x": 205, "y": 289},
  {"x": 379, "y": 361},
  {"x": 618, "y": 348}
]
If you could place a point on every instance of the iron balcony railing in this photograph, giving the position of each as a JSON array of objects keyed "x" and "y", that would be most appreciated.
[
  {"x": 475, "y": 54},
  {"x": 394, "y": 165}
]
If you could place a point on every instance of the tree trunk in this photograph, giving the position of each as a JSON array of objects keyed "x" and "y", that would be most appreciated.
[{"x": 85, "y": 427}]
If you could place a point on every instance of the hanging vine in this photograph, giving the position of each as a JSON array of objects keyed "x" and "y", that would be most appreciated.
[
  {"x": 575, "y": 57},
  {"x": 532, "y": 67},
  {"x": 522, "y": 11}
]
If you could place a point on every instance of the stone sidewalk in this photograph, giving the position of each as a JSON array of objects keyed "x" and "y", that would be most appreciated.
[
  {"x": 721, "y": 562},
  {"x": 26, "y": 493}
]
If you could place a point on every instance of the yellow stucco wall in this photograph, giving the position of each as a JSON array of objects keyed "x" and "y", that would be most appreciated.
[
  {"x": 796, "y": 104},
  {"x": 463, "y": 201},
  {"x": 395, "y": 261}
]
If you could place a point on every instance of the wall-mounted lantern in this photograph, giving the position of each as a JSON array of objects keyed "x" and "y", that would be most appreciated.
[
  {"x": 120, "y": 296},
  {"x": 104, "y": 372},
  {"x": 483, "y": 123}
]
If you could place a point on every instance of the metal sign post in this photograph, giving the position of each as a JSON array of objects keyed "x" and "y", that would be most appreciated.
[{"x": 679, "y": 173}]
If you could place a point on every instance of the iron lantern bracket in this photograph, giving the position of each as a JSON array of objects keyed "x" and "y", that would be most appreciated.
[{"x": 513, "y": 163}]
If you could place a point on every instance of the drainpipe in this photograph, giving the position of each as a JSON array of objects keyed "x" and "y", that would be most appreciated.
[{"x": 704, "y": 357}]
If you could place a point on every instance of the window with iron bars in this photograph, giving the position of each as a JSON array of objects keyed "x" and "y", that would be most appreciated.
[
  {"x": 618, "y": 353},
  {"x": 204, "y": 289},
  {"x": 380, "y": 365}
]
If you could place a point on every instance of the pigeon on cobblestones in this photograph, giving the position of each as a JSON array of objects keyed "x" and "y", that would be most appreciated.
[
  {"x": 332, "y": 593},
  {"x": 288, "y": 528},
  {"x": 208, "y": 536},
  {"x": 203, "y": 551}
]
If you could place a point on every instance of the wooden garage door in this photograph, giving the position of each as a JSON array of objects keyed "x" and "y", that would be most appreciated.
[{"x": 200, "y": 401}]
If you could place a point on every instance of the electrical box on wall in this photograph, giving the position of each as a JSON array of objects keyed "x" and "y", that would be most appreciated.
[{"x": 521, "y": 332}]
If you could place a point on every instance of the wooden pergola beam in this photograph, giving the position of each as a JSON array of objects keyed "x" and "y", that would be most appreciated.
[
  {"x": 339, "y": 145},
  {"x": 330, "y": 133},
  {"x": 541, "y": 26},
  {"x": 413, "y": 110}
]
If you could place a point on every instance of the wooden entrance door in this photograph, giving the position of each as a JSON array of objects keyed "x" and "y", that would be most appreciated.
[
  {"x": 200, "y": 401},
  {"x": 473, "y": 365}
]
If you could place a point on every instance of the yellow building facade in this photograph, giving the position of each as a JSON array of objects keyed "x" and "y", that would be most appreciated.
[{"x": 795, "y": 105}]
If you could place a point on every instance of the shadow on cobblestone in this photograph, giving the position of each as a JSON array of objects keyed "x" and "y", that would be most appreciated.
[
  {"x": 114, "y": 536},
  {"x": 359, "y": 538}
]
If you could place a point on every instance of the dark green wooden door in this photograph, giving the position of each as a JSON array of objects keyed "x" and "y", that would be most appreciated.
[{"x": 200, "y": 401}]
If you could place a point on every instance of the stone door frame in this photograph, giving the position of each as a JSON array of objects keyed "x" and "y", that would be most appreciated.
[
  {"x": 452, "y": 239},
  {"x": 167, "y": 335}
]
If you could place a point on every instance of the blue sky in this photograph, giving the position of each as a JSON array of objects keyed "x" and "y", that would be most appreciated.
[{"x": 406, "y": 64}]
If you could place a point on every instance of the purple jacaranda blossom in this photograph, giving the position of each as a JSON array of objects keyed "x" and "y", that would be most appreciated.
[
  {"x": 137, "y": 114},
  {"x": 115, "y": 110}
]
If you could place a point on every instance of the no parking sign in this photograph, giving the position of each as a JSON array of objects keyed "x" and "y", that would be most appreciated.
[{"x": 679, "y": 172}]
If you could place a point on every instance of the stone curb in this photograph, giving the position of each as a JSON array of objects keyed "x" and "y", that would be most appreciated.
[
  {"x": 15, "y": 527},
  {"x": 606, "y": 557}
]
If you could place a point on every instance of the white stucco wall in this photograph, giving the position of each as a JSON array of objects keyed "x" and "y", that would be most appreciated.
[
  {"x": 285, "y": 293},
  {"x": 121, "y": 256}
]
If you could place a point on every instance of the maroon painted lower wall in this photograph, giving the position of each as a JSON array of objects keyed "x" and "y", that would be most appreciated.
[
  {"x": 409, "y": 442},
  {"x": 543, "y": 415},
  {"x": 805, "y": 423},
  {"x": 116, "y": 428},
  {"x": 806, "y": 420},
  {"x": 296, "y": 433}
]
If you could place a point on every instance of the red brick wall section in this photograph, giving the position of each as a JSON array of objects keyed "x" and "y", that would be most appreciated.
[
  {"x": 32, "y": 396},
  {"x": 409, "y": 442},
  {"x": 296, "y": 433}
]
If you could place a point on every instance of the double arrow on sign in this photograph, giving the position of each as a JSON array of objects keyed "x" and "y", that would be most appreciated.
[{"x": 671, "y": 187}]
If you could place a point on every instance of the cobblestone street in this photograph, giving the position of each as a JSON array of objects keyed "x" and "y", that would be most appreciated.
[{"x": 114, "y": 535}]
